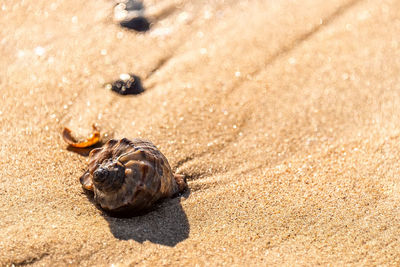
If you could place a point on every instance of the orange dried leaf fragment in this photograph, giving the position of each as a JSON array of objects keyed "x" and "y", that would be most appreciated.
[{"x": 93, "y": 139}]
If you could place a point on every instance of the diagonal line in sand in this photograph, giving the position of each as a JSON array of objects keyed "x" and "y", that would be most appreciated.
[{"x": 304, "y": 37}]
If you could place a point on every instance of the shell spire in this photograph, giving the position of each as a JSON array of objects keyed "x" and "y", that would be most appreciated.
[{"x": 109, "y": 177}]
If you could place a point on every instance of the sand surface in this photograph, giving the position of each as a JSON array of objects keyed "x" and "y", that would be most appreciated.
[{"x": 284, "y": 115}]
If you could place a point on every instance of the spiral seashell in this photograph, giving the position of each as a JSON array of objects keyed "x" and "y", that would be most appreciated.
[{"x": 130, "y": 176}]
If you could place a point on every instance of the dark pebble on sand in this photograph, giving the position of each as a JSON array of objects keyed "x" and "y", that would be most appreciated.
[
  {"x": 140, "y": 24},
  {"x": 127, "y": 84},
  {"x": 130, "y": 14}
]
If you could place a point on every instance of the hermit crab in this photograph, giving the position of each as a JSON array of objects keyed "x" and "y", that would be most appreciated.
[{"x": 130, "y": 176}]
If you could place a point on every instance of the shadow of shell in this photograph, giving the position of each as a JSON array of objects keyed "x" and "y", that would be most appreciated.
[{"x": 166, "y": 225}]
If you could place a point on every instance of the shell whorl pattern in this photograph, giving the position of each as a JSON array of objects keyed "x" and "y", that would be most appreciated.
[{"x": 129, "y": 175}]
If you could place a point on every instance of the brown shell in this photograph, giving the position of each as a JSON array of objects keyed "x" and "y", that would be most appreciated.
[{"x": 130, "y": 176}]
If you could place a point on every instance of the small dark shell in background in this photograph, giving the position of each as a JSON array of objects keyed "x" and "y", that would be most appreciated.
[
  {"x": 127, "y": 84},
  {"x": 130, "y": 14},
  {"x": 131, "y": 5},
  {"x": 140, "y": 24}
]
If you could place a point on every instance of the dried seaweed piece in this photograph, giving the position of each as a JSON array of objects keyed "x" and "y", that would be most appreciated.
[
  {"x": 93, "y": 139},
  {"x": 130, "y": 176},
  {"x": 127, "y": 84}
]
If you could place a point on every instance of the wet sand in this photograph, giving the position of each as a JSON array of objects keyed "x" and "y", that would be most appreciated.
[{"x": 284, "y": 115}]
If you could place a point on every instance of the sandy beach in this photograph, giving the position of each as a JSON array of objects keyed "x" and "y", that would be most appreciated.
[{"x": 283, "y": 115}]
